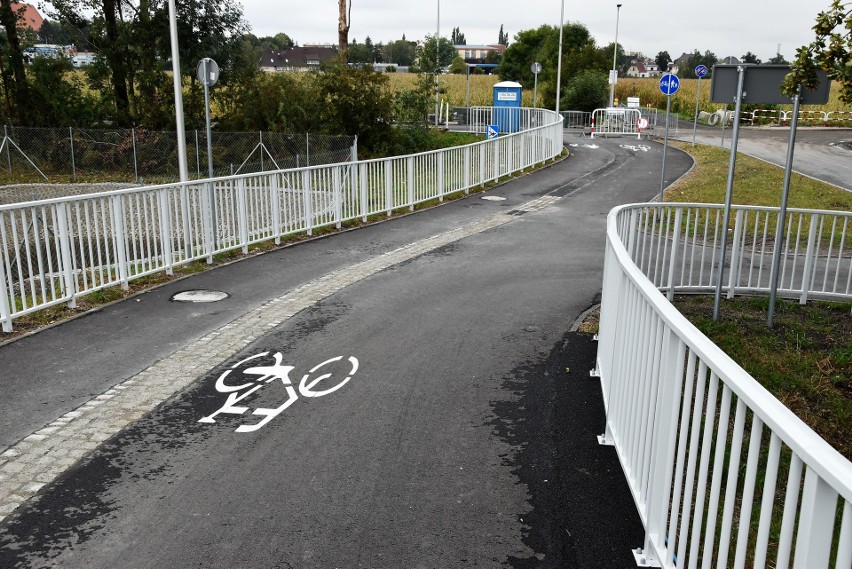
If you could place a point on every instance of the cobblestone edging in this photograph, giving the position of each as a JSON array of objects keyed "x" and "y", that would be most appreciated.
[{"x": 38, "y": 459}]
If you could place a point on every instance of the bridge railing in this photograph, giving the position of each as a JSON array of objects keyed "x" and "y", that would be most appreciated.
[
  {"x": 53, "y": 251},
  {"x": 722, "y": 473}
]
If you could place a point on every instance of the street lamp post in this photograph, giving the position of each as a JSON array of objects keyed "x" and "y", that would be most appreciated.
[
  {"x": 437, "y": 60},
  {"x": 559, "y": 58},
  {"x": 613, "y": 75},
  {"x": 181, "y": 134}
]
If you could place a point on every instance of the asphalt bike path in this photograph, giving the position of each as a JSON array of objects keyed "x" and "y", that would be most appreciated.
[{"x": 403, "y": 395}]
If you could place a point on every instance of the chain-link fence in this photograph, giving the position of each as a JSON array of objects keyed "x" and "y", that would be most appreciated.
[{"x": 145, "y": 156}]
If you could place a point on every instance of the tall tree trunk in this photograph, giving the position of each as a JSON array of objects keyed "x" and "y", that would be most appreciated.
[
  {"x": 9, "y": 20},
  {"x": 343, "y": 21},
  {"x": 115, "y": 60}
]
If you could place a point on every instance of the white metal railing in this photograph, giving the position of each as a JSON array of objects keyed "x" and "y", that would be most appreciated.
[
  {"x": 704, "y": 447},
  {"x": 53, "y": 251}
]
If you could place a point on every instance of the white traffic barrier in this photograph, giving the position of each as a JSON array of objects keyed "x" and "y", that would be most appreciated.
[{"x": 616, "y": 121}]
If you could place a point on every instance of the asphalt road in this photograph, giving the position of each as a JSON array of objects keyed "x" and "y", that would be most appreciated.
[
  {"x": 466, "y": 437},
  {"x": 821, "y": 153}
]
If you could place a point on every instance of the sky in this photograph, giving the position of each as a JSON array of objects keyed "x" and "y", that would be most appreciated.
[{"x": 725, "y": 27}]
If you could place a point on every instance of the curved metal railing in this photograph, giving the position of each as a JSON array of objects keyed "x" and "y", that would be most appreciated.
[
  {"x": 53, "y": 251},
  {"x": 704, "y": 447}
]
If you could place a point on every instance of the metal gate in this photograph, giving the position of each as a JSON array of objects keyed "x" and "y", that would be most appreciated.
[{"x": 616, "y": 121}]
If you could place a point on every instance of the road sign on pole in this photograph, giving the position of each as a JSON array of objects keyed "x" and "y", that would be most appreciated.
[
  {"x": 491, "y": 131},
  {"x": 701, "y": 71},
  {"x": 669, "y": 84}
]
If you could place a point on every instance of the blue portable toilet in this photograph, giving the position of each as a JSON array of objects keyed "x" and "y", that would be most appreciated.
[{"x": 507, "y": 100}]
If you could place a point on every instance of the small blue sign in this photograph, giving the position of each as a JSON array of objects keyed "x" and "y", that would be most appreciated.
[
  {"x": 701, "y": 71},
  {"x": 491, "y": 131},
  {"x": 669, "y": 84}
]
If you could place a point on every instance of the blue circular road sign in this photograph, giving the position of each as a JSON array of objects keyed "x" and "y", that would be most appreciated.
[
  {"x": 669, "y": 84},
  {"x": 701, "y": 71}
]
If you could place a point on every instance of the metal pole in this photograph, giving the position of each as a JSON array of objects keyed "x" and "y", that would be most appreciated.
[
  {"x": 260, "y": 133},
  {"x": 535, "y": 91},
  {"x": 695, "y": 121},
  {"x": 729, "y": 192},
  {"x": 724, "y": 120},
  {"x": 437, "y": 59},
  {"x": 559, "y": 58},
  {"x": 135, "y": 161},
  {"x": 782, "y": 214},
  {"x": 665, "y": 147},
  {"x": 614, "y": 55},
  {"x": 307, "y": 149},
  {"x": 211, "y": 189},
  {"x": 467, "y": 93},
  {"x": 181, "y": 133},
  {"x": 8, "y": 155},
  {"x": 73, "y": 167},
  {"x": 197, "y": 155}
]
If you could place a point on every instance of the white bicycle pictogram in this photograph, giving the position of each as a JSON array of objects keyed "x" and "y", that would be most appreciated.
[
  {"x": 265, "y": 375},
  {"x": 636, "y": 148}
]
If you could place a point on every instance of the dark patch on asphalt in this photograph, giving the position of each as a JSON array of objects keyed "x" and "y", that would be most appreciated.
[{"x": 553, "y": 422}]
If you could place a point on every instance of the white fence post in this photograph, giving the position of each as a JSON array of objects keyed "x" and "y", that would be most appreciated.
[
  {"x": 207, "y": 224},
  {"x": 308, "y": 201},
  {"x": 336, "y": 180},
  {"x": 386, "y": 166},
  {"x": 116, "y": 204},
  {"x": 362, "y": 183},
  {"x": 810, "y": 259},
  {"x": 440, "y": 158},
  {"x": 275, "y": 204},
  {"x": 674, "y": 251},
  {"x": 166, "y": 230},
  {"x": 5, "y": 292},
  {"x": 410, "y": 181},
  {"x": 736, "y": 250},
  {"x": 816, "y": 523},
  {"x": 467, "y": 169},
  {"x": 242, "y": 212}
]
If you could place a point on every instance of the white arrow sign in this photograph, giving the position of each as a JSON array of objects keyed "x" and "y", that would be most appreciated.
[{"x": 491, "y": 131}]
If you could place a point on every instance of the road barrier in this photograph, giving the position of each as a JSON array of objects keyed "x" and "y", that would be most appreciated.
[
  {"x": 54, "y": 251},
  {"x": 703, "y": 446},
  {"x": 616, "y": 121}
]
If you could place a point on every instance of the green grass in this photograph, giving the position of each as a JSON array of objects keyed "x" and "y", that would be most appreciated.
[
  {"x": 755, "y": 183},
  {"x": 805, "y": 359}
]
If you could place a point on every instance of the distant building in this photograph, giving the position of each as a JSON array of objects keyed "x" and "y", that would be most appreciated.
[
  {"x": 296, "y": 58},
  {"x": 477, "y": 53},
  {"x": 29, "y": 16},
  {"x": 48, "y": 50},
  {"x": 643, "y": 68},
  {"x": 730, "y": 60},
  {"x": 83, "y": 59}
]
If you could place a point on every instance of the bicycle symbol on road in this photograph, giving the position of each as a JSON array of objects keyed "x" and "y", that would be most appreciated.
[
  {"x": 264, "y": 375},
  {"x": 636, "y": 148}
]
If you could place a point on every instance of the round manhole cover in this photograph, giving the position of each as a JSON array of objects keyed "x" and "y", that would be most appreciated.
[
  {"x": 200, "y": 296},
  {"x": 494, "y": 198}
]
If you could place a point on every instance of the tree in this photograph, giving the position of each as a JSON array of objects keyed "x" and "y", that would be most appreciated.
[
  {"x": 695, "y": 59},
  {"x": 344, "y": 19},
  {"x": 457, "y": 37},
  {"x": 401, "y": 52},
  {"x": 586, "y": 91},
  {"x": 663, "y": 60},
  {"x": 427, "y": 54},
  {"x": 458, "y": 66},
  {"x": 359, "y": 52},
  {"x": 830, "y": 51},
  {"x": 15, "y": 78},
  {"x": 749, "y": 57},
  {"x": 502, "y": 37},
  {"x": 778, "y": 59}
]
